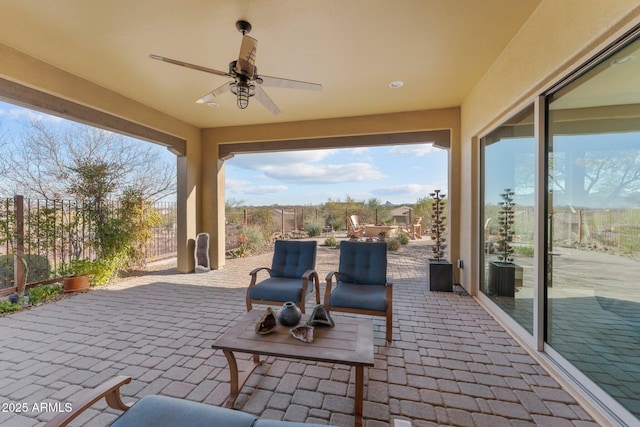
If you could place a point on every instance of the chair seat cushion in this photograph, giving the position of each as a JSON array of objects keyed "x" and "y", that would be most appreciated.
[
  {"x": 278, "y": 289},
  {"x": 364, "y": 297},
  {"x": 163, "y": 411}
]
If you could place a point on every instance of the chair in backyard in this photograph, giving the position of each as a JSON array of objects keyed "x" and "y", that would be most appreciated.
[
  {"x": 292, "y": 275},
  {"x": 415, "y": 231},
  {"x": 361, "y": 282},
  {"x": 353, "y": 226}
]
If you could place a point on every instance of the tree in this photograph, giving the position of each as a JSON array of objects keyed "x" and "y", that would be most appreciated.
[{"x": 55, "y": 163}]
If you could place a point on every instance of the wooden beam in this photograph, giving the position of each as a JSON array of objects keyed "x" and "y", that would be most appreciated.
[
  {"x": 439, "y": 138},
  {"x": 24, "y": 96}
]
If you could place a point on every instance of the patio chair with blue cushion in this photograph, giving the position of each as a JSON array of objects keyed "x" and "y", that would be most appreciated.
[
  {"x": 361, "y": 282},
  {"x": 292, "y": 276}
]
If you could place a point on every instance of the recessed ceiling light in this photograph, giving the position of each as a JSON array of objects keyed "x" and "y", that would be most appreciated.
[
  {"x": 213, "y": 104},
  {"x": 396, "y": 84},
  {"x": 622, "y": 60}
]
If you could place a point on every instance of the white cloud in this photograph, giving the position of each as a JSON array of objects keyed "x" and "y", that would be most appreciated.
[
  {"x": 418, "y": 150},
  {"x": 324, "y": 174},
  {"x": 259, "y": 160},
  {"x": 238, "y": 186},
  {"x": 307, "y": 167},
  {"x": 418, "y": 190},
  {"x": 359, "y": 150},
  {"x": 19, "y": 113},
  {"x": 265, "y": 189}
]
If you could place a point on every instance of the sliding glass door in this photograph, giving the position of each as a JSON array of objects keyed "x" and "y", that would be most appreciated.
[{"x": 593, "y": 248}]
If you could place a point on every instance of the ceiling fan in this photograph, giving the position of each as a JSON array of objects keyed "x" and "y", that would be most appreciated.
[{"x": 247, "y": 82}]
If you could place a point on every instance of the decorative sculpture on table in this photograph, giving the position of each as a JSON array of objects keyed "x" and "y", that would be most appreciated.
[
  {"x": 289, "y": 314},
  {"x": 303, "y": 333},
  {"x": 267, "y": 322},
  {"x": 320, "y": 317}
]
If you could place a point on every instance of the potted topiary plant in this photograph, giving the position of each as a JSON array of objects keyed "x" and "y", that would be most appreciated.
[
  {"x": 440, "y": 271},
  {"x": 504, "y": 274},
  {"x": 78, "y": 272}
]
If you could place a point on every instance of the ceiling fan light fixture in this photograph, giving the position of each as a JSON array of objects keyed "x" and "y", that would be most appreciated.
[
  {"x": 396, "y": 84},
  {"x": 243, "y": 91}
]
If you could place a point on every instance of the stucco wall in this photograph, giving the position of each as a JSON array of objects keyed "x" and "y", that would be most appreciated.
[{"x": 559, "y": 36}]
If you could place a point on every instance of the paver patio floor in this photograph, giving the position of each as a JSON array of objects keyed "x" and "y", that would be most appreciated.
[{"x": 450, "y": 363}]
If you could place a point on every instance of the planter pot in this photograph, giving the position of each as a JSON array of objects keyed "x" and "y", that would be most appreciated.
[
  {"x": 75, "y": 283},
  {"x": 440, "y": 275},
  {"x": 504, "y": 277}
]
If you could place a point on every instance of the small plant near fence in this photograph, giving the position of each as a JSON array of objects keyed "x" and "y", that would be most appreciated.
[
  {"x": 111, "y": 236},
  {"x": 32, "y": 297}
]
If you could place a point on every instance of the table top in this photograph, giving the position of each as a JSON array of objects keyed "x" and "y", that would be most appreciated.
[{"x": 350, "y": 342}]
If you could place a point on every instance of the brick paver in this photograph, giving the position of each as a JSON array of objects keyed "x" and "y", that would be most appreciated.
[{"x": 450, "y": 362}]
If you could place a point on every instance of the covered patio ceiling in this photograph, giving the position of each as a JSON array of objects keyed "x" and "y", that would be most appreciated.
[{"x": 439, "y": 49}]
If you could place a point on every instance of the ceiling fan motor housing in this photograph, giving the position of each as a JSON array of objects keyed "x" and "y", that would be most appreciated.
[{"x": 243, "y": 26}]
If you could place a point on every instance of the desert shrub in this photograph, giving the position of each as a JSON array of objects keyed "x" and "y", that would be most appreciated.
[
  {"x": 403, "y": 238},
  {"x": 249, "y": 239},
  {"x": 337, "y": 224},
  {"x": 393, "y": 244},
  {"x": 313, "y": 229},
  {"x": 331, "y": 242},
  {"x": 523, "y": 251},
  {"x": 43, "y": 293}
]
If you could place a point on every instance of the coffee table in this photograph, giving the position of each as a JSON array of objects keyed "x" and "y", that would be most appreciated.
[{"x": 350, "y": 343}]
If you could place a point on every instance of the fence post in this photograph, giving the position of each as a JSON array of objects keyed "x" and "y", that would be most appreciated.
[
  {"x": 282, "y": 220},
  {"x": 18, "y": 258}
]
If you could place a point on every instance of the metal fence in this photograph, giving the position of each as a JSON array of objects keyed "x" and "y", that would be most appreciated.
[
  {"x": 39, "y": 238},
  {"x": 616, "y": 230}
]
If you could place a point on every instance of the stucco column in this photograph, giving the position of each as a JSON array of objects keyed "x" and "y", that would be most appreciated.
[
  {"x": 188, "y": 177},
  {"x": 213, "y": 202}
]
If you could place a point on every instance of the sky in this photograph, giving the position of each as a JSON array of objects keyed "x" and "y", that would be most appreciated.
[{"x": 395, "y": 174}]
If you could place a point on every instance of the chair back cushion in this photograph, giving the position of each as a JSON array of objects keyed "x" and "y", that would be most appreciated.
[
  {"x": 291, "y": 258},
  {"x": 363, "y": 263}
]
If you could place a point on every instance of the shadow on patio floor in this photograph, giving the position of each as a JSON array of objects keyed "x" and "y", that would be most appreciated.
[{"x": 450, "y": 362}]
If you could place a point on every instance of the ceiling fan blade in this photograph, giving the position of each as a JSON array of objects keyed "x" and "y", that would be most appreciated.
[
  {"x": 286, "y": 83},
  {"x": 216, "y": 92},
  {"x": 247, "y": 59},
  {"x": 267, "y": 102},
  {"x": 192, "y": 66}
]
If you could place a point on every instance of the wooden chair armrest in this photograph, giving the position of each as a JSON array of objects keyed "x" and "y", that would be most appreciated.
[
  {"x": 254, "y": 274},
  {"x": 389, "y": 292},
  {"x": 331, "y": 274},
  {"x": 309, "y": 274},
  {"x": 110, "y": 390},
  {"x": 327, "y": 292}
]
